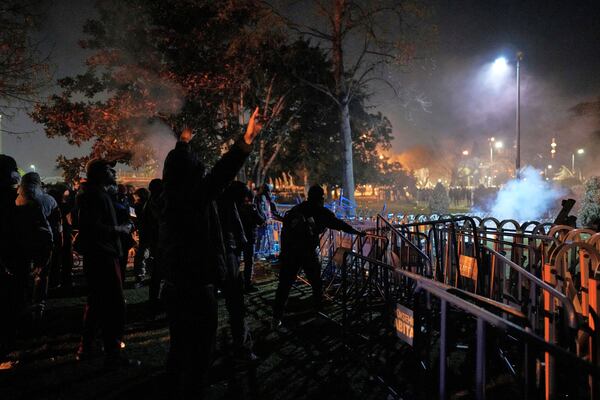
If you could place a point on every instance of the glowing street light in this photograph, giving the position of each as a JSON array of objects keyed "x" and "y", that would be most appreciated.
[
  {"x": 498, "y": 145},
  {"x": 500, "y": 66},
  {"x": 32, "y": 167},
  {"x": 465, "y": 152}
]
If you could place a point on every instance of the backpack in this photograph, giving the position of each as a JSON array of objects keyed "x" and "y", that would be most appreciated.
[
  {"x": 33, "y": 233},
  {"x": 299, "y": 231}
]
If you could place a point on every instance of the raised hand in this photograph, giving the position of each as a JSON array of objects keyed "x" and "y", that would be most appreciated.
[{"x": 254, "y": 126}]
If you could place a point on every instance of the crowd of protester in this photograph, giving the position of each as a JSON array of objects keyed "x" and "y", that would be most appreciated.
[{"x": 188, "y": 233}]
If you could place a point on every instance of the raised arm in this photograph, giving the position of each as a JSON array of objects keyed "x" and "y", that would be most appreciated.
[{"x": 231, "y": 162}]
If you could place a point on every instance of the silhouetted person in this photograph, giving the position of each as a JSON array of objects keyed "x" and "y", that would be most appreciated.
[
  {"x": 100, "y": 246},
  {"x": 192, "y": 249},
  {"x": 267, "y": 208},
  {"x": 39, "y": 227},
  {"x": 63, "y": 269},
  {"x": 122, "y": 204},
  {"x": 231, "y": 285},
  {"x": 302, "y": 227},
  {"x": 141, "y": 196},
  {"x": 9, "y": 179},
  {"x": 151, "y": 220},
  {"x": 251, "y": 219}
]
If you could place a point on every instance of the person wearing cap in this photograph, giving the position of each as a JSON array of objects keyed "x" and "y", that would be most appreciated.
[
  {"x": 193, "y": 253},
  {"x": 99, "y": 243},
  {"x": 300, "y": 234}
]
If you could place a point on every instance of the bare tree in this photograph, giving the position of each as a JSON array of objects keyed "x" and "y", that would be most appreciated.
[
  {"x": 23, "y": 70},
  {"x": 364, "y": 38}
]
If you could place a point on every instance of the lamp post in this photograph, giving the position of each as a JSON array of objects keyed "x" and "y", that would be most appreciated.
[
  {"x": 500, "y": 66},
  {"x": 580, "y": 152},
  {"x": 518, "y": 156},
  {"x": 498, "y": 145}
]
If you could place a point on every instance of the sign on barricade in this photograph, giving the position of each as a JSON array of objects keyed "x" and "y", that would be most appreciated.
[
  {"x": 468, "y": 267},
  {"x": 404, "y": 323}
]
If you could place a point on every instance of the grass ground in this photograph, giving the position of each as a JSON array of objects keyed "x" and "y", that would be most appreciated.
[
  {"x": 306, "y": 361},
  {"x": 368, "y": 207}
]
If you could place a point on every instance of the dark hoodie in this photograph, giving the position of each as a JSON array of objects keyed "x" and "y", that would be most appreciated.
[
  {"x": 190, "y": 235},
  {"x": 97, "y": 223},
  {"x": 9, "y": 178}
]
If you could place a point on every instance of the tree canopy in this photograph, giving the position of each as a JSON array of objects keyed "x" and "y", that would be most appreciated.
[
  {"x": 24, "y": 70},
  {"x": 204, "y": 65}
]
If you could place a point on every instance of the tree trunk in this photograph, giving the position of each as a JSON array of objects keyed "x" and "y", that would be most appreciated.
[
  {"x": 348, "y": 167},
  {"x": 343, "y": 97}
]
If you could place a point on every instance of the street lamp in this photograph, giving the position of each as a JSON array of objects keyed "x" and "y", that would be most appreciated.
[
  {"x": 499, "y": 67},
  {"x": 518, "y": 157},
  {"x": 32, "y": 167}
]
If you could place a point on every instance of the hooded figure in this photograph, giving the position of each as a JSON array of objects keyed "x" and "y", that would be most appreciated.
[
  {"x": 100, "y": 245},
  {"x": 302, "y": 228},
  {"x": 41, "y": 238},
  {"x": 193, "y": 253}
]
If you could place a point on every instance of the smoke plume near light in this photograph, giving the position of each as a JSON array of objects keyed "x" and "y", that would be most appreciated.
[{"x": 527, "y": 199}]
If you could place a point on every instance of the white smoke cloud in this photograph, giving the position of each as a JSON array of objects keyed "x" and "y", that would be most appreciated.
[
  {"x": 529, "y": 198},
  {"x": 156, "y": 140}
]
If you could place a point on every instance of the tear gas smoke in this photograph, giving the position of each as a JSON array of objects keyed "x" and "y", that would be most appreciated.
[
  {"x": 155, "y": 141},
  {"x": 529, "y": 198}
]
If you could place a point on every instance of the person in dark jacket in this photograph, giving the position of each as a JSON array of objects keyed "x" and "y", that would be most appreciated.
[
  {"x": 121, "y": 203},
  {"x": 141, "y": 196},
  {"x": 64, "y": 270},
  {"x": 232, "y": 285},
  {"x": 151, "y": 219},
  {"x": 192, "y": 250},
  {"x": 100, "y": 245},
  {"x": 39, "y": 235},
  {"x": 251, "y": 220},
  {"x": 9, "y": 179},
  {"x": 302, "y": 227}
]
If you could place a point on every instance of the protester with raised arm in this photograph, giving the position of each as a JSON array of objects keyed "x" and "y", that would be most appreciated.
[{"x": 192, "y": 248}]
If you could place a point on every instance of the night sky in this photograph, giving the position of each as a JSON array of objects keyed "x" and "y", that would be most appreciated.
[{"x": 560, "y": 40}]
